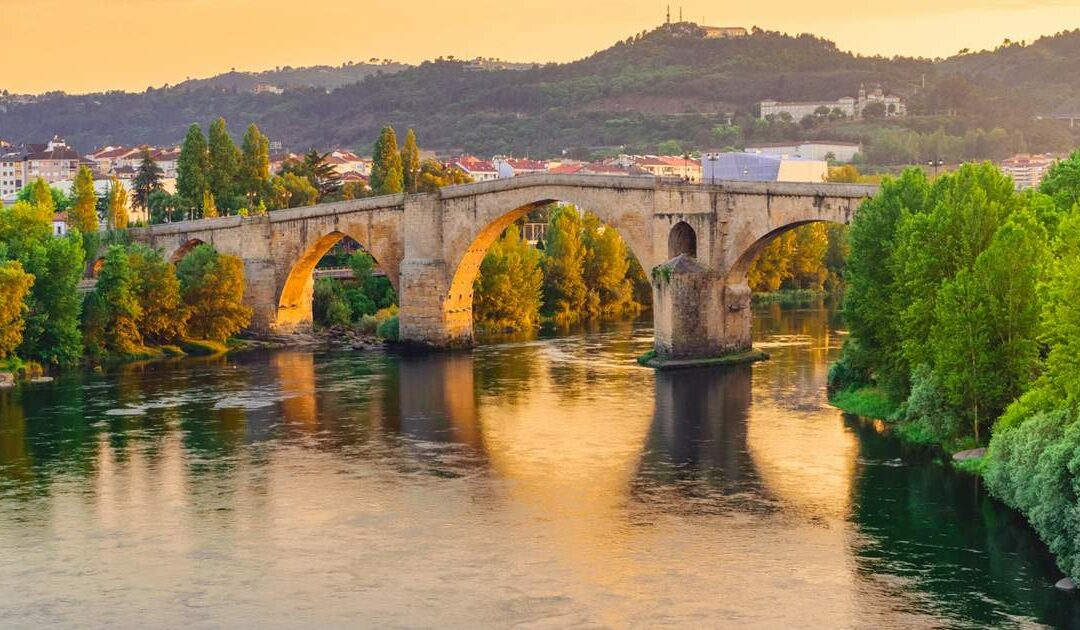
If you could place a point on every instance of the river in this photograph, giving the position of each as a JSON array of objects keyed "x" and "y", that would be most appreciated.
[{"x": 546, "y": 483}]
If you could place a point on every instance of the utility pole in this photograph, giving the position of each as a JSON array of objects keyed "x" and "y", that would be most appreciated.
[{"x": 668, "y": 14}]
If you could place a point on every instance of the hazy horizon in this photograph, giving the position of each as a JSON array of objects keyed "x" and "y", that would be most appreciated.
[{"x": 133, "y": 44}]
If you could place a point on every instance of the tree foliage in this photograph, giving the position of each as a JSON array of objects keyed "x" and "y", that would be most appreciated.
[
  {"x": 565, "y": 292},
  {"x": 212, "y": 287},
  {"x": 15, "y": 285},
  {"x": 163, "y": 316},
  {"x": 82, "y": 215},
  {"x": 507, "y": 291},
  {"x": 387, "y": 172},
  {"x": 147, "y": 180},
  {"x": 111, "y": 313},
  {"x": 192, "y": 168}
]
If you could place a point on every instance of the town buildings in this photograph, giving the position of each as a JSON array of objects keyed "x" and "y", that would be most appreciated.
[
  {"x": 848, "y": 106},
  {"x": 513, "y": 167},
  {"x": 725, "y": 32},
  {"x": 1027, "y": 171}
]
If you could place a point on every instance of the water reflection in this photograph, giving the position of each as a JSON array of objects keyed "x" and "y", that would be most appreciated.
[{"x": 541, "y": 481}]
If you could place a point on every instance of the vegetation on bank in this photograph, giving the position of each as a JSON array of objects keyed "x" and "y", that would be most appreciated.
[
  {"x": 140, "y": 302},
  {"x": 963, "y": 303}
]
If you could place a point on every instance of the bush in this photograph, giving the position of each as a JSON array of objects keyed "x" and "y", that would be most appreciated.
[
  {"x": 202, "y": 347},
  {"x": 929, "y": 412},
  {"x": 388, "y": 330}
]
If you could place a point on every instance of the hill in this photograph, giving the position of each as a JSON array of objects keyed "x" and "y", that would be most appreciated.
[{"x": 671, "y": 85}]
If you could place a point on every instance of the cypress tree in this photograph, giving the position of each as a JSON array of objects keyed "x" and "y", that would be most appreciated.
[
  {"x": 255, "y": 165},
  {"x": 387, "y": 177},
  {"x": 118, "y": 206},
  {"x": 82, "y": 215},
  {"x": 410, "y": 162},
  {"x": 147, "y": 180},
  {"x": 191, "y": 167},
  {"x": 224, "y": 161}
]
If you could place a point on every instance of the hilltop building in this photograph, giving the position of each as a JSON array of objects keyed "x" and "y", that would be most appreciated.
[
  {"x": 847, "y": 105},
  {"x": 725, "y": 32}
]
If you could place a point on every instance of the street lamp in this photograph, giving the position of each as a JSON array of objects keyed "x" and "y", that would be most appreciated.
[{"x": 937, "y": 164}]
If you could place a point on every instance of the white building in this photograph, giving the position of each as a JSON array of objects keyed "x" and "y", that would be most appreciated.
[
  {"x": 848, "y": 106},
  {"x": 479, "y": 170},
  {"x": 1027, "y": 171},
  {"x": 755, "y": 167}
]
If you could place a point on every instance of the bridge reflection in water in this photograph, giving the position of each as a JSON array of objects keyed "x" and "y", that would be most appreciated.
[{"x": 534, "y": 481}]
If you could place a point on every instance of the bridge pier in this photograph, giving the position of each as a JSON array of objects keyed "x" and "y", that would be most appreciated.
[
  {"x": 431, "y": 315},
  {"x": 699, "y": 317}
]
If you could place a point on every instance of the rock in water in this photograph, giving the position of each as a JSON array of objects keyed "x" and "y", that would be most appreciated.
[
  {"x": 974, "y": 453},
  {"x": 7, "y": 379},
  {"x": 1066, "y": 584}
]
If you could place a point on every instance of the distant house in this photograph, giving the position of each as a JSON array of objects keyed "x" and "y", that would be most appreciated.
[
  {"x": 1027, "y": 171},
  {"x": 53, "y": 162},
  {"x": 725, "y": 32},
  {"x": 266, "y": 88},
  {"x": 513, "y": 167},
  {"x": 754, "y": 167},
  {"x": 663, "y": 166},
  {"x": 479, "y": 170},
  {"x": 59, "y": 224},
  {"x": 812, "y": 150}
]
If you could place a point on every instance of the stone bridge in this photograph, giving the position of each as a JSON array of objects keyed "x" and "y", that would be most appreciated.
[{"x": 698, "y": 239}]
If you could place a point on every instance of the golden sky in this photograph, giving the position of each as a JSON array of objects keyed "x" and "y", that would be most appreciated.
[{"x": 90, "y": 45}]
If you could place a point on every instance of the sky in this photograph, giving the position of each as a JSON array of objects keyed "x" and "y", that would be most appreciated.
[{"x": 93, "y": 45}]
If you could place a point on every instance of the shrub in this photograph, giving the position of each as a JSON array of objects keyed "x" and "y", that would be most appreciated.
[{"x": 388, "y": 330}]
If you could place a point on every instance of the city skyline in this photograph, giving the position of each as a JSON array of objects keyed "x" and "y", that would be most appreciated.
[{"x": 145, "y": 37}]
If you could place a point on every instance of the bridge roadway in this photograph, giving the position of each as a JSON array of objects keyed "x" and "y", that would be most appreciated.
[{"x": 702, "y": 236}]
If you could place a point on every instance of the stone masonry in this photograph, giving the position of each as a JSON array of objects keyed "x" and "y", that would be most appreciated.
[{"x": 431, "y": 246}]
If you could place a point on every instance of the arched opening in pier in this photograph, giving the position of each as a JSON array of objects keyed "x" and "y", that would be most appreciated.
[{"x": 682, "y": 240}]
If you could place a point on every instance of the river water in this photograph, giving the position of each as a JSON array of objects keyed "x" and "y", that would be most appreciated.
[{"x": 548, "y": 483}]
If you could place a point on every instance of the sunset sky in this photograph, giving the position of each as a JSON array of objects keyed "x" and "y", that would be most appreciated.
[{"x": 81, "y": 46}]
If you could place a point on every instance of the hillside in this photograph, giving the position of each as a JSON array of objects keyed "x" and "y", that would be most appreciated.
[{"x": 669, "y": 85}]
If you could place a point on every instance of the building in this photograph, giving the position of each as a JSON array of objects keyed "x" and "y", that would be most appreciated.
[
  {"x": 812, "y": 150},
  {"x": 848, "y": 106},
  {"x": 53, "y": 162},
  {"x": 1027, "y": 171},
  {"x": 725, "y": 32},
  {"x": 266, "y": 88},
  {"x": 344, "y": 161},
  {"x": 12, "y": 172},
  {"x": 513, "y": 167},
  {"x": 756, "y": 167},
  {"x": 668, "y": 166},
  {"x": 479, "y": 170}
]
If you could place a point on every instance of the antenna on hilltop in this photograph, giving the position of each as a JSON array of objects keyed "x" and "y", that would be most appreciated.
[
  {"x": 680, "y": 15},
  {"x": 669, "y": 14}
]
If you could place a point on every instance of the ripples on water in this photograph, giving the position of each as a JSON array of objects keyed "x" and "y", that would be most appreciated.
[{"x": 541, "y": 483}]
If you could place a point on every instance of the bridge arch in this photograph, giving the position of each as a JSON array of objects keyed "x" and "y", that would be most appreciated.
[
  {"x": 185, "y": 249},
  {"x": 469, "y": 244},
  {"x": 294, "y": 300},
  {"x": 737, "y": 272}
]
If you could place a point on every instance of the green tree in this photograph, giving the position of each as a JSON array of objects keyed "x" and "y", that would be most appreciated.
[
  {"x": 147, "y": 180},
  {"x": 212, "y": 287},
  {"x": 224, "y": 165},
  {"x": 507, "y": 291},
  {"x": 564, "y": 290},
  {"x": 82, "y": 215},
  {"x": 112, "y": 312},
  {"x": 387, "y": 173},
  {"x": 410, "y": 163},
  {"x": 255, "y": 166},
  {"x": 42, "y": 195},
  {"x": 192, "y": 168},
  {"x": 52, "y": 334},
  {"x": 15, "y": 285},
  {"x": 163, "y": 317},
  {"x": 606, "y": 267},
  {"x": 434, "y": 176},
  {"x": 294, "y": 191}
]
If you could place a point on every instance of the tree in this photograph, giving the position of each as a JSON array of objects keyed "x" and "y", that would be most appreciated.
[
  {"x": 293, "y": 191},
  {"x": 564, "y": 291},
  {"x": 874, "y": 110},
  {"x": 165, "y": 208},
  {"x": 410, "y": 163},
  {"x": 52, "y": 334},
  {"x": 15, "y": 285},
  {"x": 42, "y": 195},
  {"x": 117, "y": 214},
  {"x": 224, "y": 165},
  {"x": 147, "y": 180},
  {"x": 507, "y": 291},
  {"x": 209, "y": 205},
  {"x": 192, "y": 168},
  {"x": 315, "y": 168},
  {"x": 155, "y": 286},
  {"x": 82, "y": 215},
  {"x": 255, "y": 166},
  {"x": 610, "y": 291},
  {"x": 387, "y": 176},
  {"x": 212, "y": 287},
  {"x": 433, "y": 176},
  {"x": 112, "y": 312}
]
